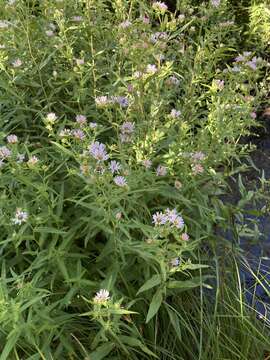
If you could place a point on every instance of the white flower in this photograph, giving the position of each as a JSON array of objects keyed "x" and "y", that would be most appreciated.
[
  {"x": 20, "y": 217},
  {"x": 49, "y": 33},
  {"x": 17, "y": 63},
  {"x": 51, "y": 117},
  {"x": 102, "y": 296}
]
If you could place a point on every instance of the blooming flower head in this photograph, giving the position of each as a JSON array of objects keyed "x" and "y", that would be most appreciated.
[
  {"x": 101, "y": 296},
  {"x": 127, "y": 127},
  {"x": 79, "y": 62},
  {"x": 159, "y": 218},
  {"x": 197, "y": 169},
  {"x": 102, "y": 101},
  {"x": 114, "y": 166},
  {"x": 51, "y": 117},
  {"x": 151, "y": 69},
  {"x": 181, "y": 17},
  {"x": 20, "y": 217},
  {"x": 175, "y": 113},
  {"x": 65, "y": 132},
  {"x": 120, "y": 181},
  {"x": 160, "y": 6},
  {"x": 78, "y": 134},
  {"x": 252, "y": 63},
  {"x": 4, "y": 152},
  {"x": 161, "y": 170},
  {"x": 12, "y": 139},
  {"x": 147, "y": 163},
  {"x": 122, "y": 101},
  {"x": 81, "y": 119},
  {"x": 215, "y": 3},
  {"x": 98, "y": 151},
  {"x": 17, "y": 63},
  {"x": 185, "y": 237},
  {"x": 125, "y": 24},
  {"x": 253, "y": 115},
  {"x": 32, "y": 160},
  {"x": 174, "y": 218}
]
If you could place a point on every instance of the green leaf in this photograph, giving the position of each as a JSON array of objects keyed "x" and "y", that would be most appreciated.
[
  {"x": 101, "y": 351},
  {"x": 155, "y": 305},
  {"x": 153, "y": 281},
  {"x": 10, "y": 344},
  {"x": 187, "y": 284},
  {"x": 134, "y": 342}
]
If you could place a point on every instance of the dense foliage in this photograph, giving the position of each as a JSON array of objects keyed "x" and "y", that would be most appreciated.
[{"x": 120, "y": 124}]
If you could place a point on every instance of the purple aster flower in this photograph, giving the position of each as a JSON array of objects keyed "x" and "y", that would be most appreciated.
[
  {"x": 78, "y": 134},
  {"x": 160, "y": 6},
  {"x": 161, "y": 170},
  {"x": 175, "y": 113},
  {"x": 81, "y": 119},
  {"x": 127, "y": 127},
  {"x": 171, "y": 215},
  {"x": 159, "y": 219},
  {"x": 98, "y": 151},
  {"x": 122, "y": 101},
  {"x": 114, "y": 166},
  {"x": 4, "y": 152},
  {"x": 120, "y": 181},
  {"x": 179, "y": 222},
  {"x": 252, "y": 64},
  {"x": 239, "y": 58}
]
